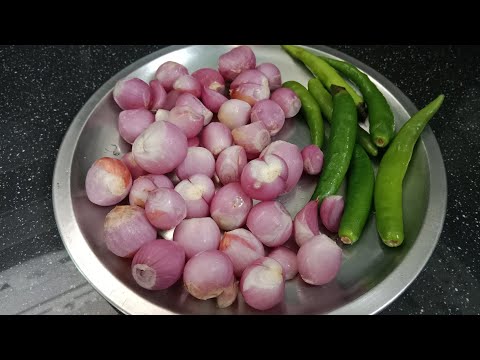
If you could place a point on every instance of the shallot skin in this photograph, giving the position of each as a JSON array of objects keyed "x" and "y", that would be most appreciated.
[
  {"x": 230, "y": 164},
  {"x": 169, "y": 72},
  {"x": 305, "y": 224},
  {"x": 130, "y": 94},
  {"x": 290, "y": 153},
  {"x": 135, "y": 170},
  {"x": 216, "y": 137},
  {"x": 165, "y": 208},
  {"x": 160, "y": 148},
  {"x": 197, "y": 192},
  {"x": 270, "y": 113},
  {"x": 312, "y": 159},
  {"x": 319, "y": 260},
  {"x": 242, "y": 247},
  {"x": 197, "y": 235},
  {"x": 187, "y": 99},
  {"x": 273, "y": 75},
  {"x": 230, "y": 207},
  {"x": 264, "y": 179},
  {"x": 288, "y": 259},
  {"x": 188, "y": 84},
  {"x": 234, "y": 113},
  {"x": 331, "y": 211},
  {"x": 254, "y": 138},
  {"x": 213, "y": 100},
  {"x": 198, "y": 161},
  {"x": 263, "y": 284},
  {"x": 126, "y": 229},
  {"x": 288, "y": 101},
  {"x": 208, "y": 274},
  {"x": 271, "y": 223},
  {"x": 108, "y": 182},
  {"x": 232, "y": 63},
  {"x": 250, "y": 86},
  {"x": 143, "y": 185},
  {"x": 159, "y": 95},
  {"x": 210, "y": 79},
  {"x": 158, "y": 264},
  {"x": 131, "y": 123}
]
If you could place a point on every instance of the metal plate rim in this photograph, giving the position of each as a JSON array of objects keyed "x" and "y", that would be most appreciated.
[{"x": 372, "y": 302}]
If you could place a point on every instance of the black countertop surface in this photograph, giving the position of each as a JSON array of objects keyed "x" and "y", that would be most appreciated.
[{"x": 43, "y": 87}]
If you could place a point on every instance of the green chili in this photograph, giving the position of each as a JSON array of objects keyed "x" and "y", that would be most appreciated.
[
  {"x": 382, "y": 124},
  {"x": 340, "y": 145},
  {"x": 361, "y": 179},
  {"x": 324, "y": 99},
  {"x": 391, "y": 172},
  {"x": 310, "y": 110},
  {"x": 327, "y": 75}
]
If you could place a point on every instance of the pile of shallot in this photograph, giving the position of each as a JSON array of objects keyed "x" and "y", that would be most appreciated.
[{"x": 202, "y": 152}]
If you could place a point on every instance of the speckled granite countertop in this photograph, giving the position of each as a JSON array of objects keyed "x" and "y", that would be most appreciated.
[{"x": 43, "y": 87}]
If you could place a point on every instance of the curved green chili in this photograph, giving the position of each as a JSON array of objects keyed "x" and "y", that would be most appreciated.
[
  {"x": 382, "y": 124},
  {"x": 339, "y": 151},
  {"x": 393, "y": 167},
  {"x": 327, "y": 75},
  {"x": 361, "y": 180},
  {"x": 310, "y": 110},
  {"x": 324, "y": 99}
]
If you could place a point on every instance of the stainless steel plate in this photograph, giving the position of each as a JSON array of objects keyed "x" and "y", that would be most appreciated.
[{"x": 371, "y": 276}]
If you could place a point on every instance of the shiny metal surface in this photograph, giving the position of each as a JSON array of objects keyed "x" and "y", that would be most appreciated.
[{"x": 371, "y": 276}]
